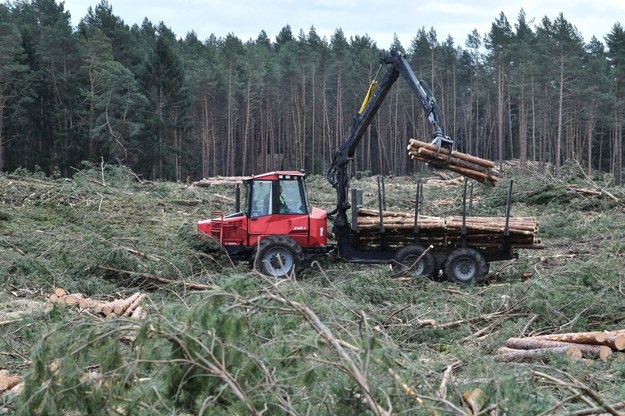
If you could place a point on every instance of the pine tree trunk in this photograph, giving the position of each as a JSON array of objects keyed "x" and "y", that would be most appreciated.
[
  {"x": 558, "y": 151},
  {"x": 500, "y": 104},
  {"x": 589, "y": 136},
  {"x": 204, "y": 129},
  {"x": 533, "y": 122},
  {"x": 2, "y": 105},
  {"x": 246, "y": 129},
  {"x": 522, "y": 126}
]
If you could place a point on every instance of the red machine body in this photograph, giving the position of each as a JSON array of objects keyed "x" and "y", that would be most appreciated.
[{"x": 276, "y": 204}]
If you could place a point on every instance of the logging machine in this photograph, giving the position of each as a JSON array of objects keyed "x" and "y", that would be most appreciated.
[{"x": 279, "y": 232}]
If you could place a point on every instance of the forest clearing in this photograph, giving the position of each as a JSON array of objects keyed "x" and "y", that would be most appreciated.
[
  {"x": 113, "y": 303},
  {"x": 219, "y": 338}
]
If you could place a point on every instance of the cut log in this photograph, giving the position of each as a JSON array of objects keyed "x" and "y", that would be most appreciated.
[
  {"x": 505, "y": 354},
  {"x": 481, "y": 170},
  {"x": 98, "y": 308},
  {"x": 139, "y": 313},
  {"x": 576, "y": 337},
  {"x": 464, "y": 156},
  {"x": 219, "y": 180},
  {"x": 121, "y": 305},
  {"x": 133, "y": 306},
  {"x": 73, "y": 299},
  {"x": 615, "y": 341},
  {"x": 59, "y": 292},
  {"x": 588, "y": 351},
  {"x": 8, "y": 381},
  {"x": 88, "y": 303},
  {"x": 107, "y": 308},
  {"x": 480, "y": 231}
]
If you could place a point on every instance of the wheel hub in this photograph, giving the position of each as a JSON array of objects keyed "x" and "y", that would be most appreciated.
[
  {"x": 465, "y": 269},
  {"x": 278, "y": 261}
]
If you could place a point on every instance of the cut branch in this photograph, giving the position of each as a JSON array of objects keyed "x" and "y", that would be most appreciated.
[{"x": 153, "y": 277}]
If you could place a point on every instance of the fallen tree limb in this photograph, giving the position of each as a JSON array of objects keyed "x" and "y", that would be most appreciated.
[
  {"x": 577, "y": 386},
  {"x": 153, "y": 277},
  {"x": 597, "y": 410}
]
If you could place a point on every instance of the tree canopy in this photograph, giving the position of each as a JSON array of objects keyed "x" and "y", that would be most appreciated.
[{"x": 173, "y": 107}]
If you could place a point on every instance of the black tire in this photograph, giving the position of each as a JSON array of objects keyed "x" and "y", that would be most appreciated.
[
  {"x": 466, "y": 266},
  {"x": 278, "y": 256},
  {"x": 405, "y": 258}
]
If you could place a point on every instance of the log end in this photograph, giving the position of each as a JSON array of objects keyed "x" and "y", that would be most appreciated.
[
  {"x": 574, "y": 353},
  {"x": 604, "y": 353},
  {"x": 8, "y": 381},
  {"x": 616, "y": 341}
]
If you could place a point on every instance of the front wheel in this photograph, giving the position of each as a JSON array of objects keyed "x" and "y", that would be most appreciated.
[
  {"x": 466, "y": 266},
  {"x": 405, "y": 261},
  {"x": 278, "y": 256}
]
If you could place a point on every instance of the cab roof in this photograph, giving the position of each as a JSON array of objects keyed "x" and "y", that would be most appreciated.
[{"x": 276, "y": 175}]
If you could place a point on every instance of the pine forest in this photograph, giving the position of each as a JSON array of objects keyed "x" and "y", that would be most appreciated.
[{"x": 176, "y": 108}]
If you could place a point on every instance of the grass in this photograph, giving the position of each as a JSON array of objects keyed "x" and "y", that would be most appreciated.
[{"x": 101, "y": 231}]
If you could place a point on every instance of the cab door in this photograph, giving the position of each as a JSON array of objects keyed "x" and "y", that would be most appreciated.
[
  {"x": 291, "y": 216},
  {"x": 261, "y": 200}
]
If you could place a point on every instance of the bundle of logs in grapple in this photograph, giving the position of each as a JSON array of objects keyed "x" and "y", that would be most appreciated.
[
  {"x": 481, "y": 170},
  {"x": 479, "y": 231}
]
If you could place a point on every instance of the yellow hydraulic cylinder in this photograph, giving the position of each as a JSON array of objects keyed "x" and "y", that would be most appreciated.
[{"x": 370, "y": 91}]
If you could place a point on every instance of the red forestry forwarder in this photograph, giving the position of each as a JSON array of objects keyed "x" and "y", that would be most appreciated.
[{"x": 279, "y": 231}]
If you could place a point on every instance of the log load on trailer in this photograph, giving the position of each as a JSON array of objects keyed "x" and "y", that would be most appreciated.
[
  {"x": 459, "y": 248},
  {"x": 279, "y": 232}
]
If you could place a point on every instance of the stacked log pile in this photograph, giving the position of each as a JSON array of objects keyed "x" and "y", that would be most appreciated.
[
  {"x": 218, "y": 180},
  {"x": 592, "y": 193},
  {"x": 482, "y": 170},
  {"x": 480, "y": 231},
  {"x": 576, "y": 345},
  {"x": 129, "y": 307}
]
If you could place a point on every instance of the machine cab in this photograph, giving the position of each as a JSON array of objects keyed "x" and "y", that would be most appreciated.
[
  {"x": 282, "y": 193},
  {"x": 277, "y": 204}
]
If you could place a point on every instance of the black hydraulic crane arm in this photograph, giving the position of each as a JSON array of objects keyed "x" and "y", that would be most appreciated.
[{"x": 338, "y": 174}]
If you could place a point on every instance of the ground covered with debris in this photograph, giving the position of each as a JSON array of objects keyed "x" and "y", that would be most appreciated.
[{"x": 219, "y": 338}]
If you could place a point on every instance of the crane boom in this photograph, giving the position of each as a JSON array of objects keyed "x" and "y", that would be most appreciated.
[{"x": 337, "y": 174}]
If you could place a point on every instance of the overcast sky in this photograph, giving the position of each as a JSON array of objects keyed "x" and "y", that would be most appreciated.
[{"x": 457, "y": 18}]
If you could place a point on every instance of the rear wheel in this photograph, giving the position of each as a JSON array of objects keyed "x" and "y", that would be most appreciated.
[
  {"x": 278, "y": 256},
  {"x": 405, "y": 261},
  {"x": 466, "y": 266}
]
